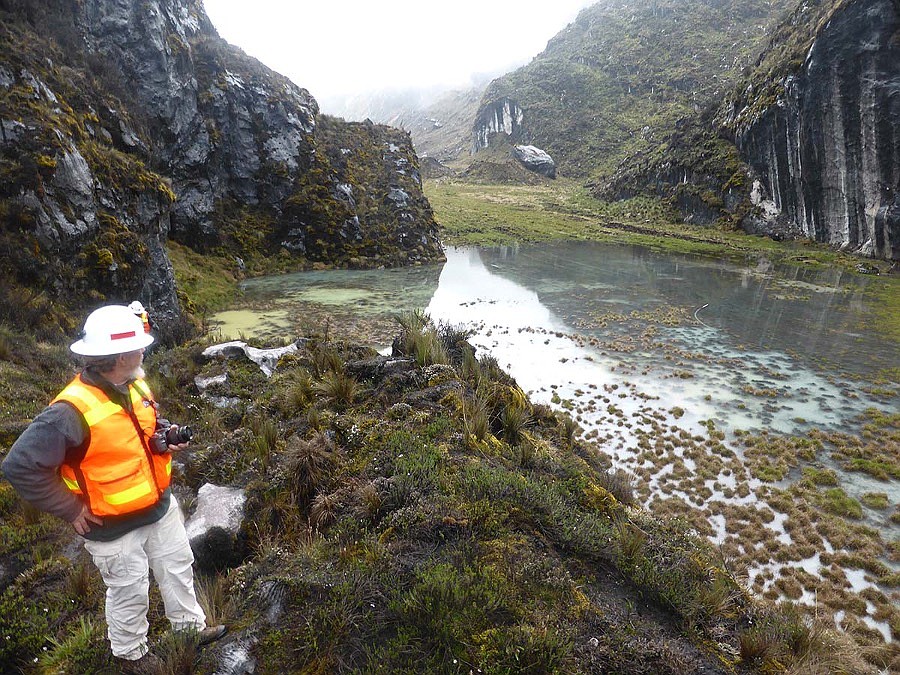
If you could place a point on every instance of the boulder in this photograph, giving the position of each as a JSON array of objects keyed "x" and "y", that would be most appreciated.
[
  {"x": 535, "y": 159},
  {"x": 266, "y": 359},
  {"x": 214, "y": 529}
]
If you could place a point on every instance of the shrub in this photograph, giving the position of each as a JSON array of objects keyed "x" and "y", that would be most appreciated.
[
  {"x": 876, "y": 500},
  {"x": 450, "y": 604},
  {"x": 215, "y": 597},
  {"x": 83, "y": 650},
  {"x": 369, "y": 502},
  {"x": 23, "y": 626},
  {"x": 470, "y": 369},
  {"x": 783, "y": 640},
  {"x": 455, "y": 341},
  {"x": 325, "y": 359},
  {"x": 514, "y": 419},
  {"x": 265, "y": 439},
  {"x": 414, "y": 321},
  {"x": 475, "y": 417},
  {"x": 524, "y": 648},
  {"x": 323, "y": 511},
  {"x": 178, "y": 651},
  {"x": 568, "y": 430},
  {"x": 295, "y": 393},
  {"x": 338, "y": 388},
  {"x": 619, "y": 483},
  {"x": 309, "y": 466},
  {"x": 821, "y": 476}
]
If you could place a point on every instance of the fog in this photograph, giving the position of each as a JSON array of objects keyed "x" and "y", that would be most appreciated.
[{"x": 348, "y": 47}]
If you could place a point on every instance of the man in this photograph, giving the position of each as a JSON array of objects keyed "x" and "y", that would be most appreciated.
[
  {"x": 141, "y": 313},
  {"x": 91, "y": 458}
]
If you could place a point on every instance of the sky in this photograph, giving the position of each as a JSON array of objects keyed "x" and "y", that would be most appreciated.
[{"x": 338, "y": 48}]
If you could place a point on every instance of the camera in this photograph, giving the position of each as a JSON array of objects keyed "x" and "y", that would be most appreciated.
[{"x": 165, "y": 435}]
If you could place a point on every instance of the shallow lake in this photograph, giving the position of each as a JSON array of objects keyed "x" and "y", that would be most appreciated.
[{"x": 631, "y": 342}]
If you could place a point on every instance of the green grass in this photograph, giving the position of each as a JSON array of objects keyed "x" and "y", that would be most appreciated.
[
  {"x": 616, "y": 80},
  {"x": 490, "y": 214},
  {"x": 837, "y": 501},
  {"x": 206, "y": 282},
  {"x": 397, "y": 543}
]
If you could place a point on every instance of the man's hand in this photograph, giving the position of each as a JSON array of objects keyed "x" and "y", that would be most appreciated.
[
  {"x": 180, "y": 446},
  {"x": 81, "y": 521}
]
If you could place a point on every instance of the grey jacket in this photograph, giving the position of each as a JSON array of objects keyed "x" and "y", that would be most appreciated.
[{"x": 32, "y": 465}]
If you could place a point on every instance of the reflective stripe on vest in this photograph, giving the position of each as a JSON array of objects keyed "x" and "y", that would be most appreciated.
[{"x": 117, "y": 474}]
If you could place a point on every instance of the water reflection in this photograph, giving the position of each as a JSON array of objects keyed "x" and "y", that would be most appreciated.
[
  {"x": 292, "y": 304},
  {"x": 737, "y": 345}
]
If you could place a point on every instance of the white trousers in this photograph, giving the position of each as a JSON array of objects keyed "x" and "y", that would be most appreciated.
[{"x": 124, "y": 565}]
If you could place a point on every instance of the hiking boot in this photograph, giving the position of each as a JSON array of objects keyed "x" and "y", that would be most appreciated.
[
  {"x": 148, "y": 664},
  {"x": 210, "y": 634}
]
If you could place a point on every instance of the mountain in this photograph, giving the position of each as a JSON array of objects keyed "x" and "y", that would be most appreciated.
[
  {"x": 616, "y": 80},
  {"x": 439, "y": 120},
  {"x": 126, "y": 123},
  {"x": 805, "y": 145}
]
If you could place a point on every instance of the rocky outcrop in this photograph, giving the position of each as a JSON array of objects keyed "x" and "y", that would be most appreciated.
[
  {"x": 266, "y": 359},
  {"x": 502, "y": 116},
  {"x": 83, "y": 218},
  {"x": 535, "y": 159},
  {"x": 214, "y": 528},
  {"x": 808, "y": 145},
  {"x": 244, "y": 139},
  {"x": 434, "y": 168},
  {"x": 125, "y": 123},
  {"x": 827, "y": 150}
]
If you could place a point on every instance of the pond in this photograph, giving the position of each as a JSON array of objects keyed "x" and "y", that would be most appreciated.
[{"x": 688, "y": 372}]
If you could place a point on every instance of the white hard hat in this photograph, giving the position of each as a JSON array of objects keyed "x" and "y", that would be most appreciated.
[
  {"x": 136, "y": 307},
  {"x": 113, "y": 329}
]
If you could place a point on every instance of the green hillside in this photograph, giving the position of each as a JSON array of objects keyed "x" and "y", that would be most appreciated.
[{"x": 617, "y": 79}]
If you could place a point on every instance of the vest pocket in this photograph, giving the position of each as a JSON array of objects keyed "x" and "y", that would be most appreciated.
[{"x": 128, "y": 482}]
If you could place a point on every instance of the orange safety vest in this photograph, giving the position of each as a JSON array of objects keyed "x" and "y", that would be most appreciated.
[
  {"x": 145, "y": 319},
  {"x": 118, "y": 473}
]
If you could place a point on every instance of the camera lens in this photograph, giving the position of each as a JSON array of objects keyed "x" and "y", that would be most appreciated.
[{"x": 179, "y": 435}]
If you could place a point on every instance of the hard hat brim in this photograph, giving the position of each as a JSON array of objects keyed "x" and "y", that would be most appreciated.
[{"x": 132, "y": 344}]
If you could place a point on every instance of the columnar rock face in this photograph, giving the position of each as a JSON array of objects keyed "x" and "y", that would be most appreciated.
[
  {"x": 827, "y": 153},
  {"x": 503, "y": 116}
]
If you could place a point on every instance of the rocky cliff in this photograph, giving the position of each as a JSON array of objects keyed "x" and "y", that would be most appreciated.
[
  {"x": 125, "y": 122},
  {"x": 806, "y": 145},
  {"x": 823, "y": 140}
]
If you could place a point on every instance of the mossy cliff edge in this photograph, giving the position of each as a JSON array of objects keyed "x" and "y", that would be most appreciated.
[{"x": 124, "y": 124}]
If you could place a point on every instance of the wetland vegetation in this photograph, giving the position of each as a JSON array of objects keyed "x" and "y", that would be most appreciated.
[
  {"x": 427, "y": 512},
  {"x": 765, "y": 474}
]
